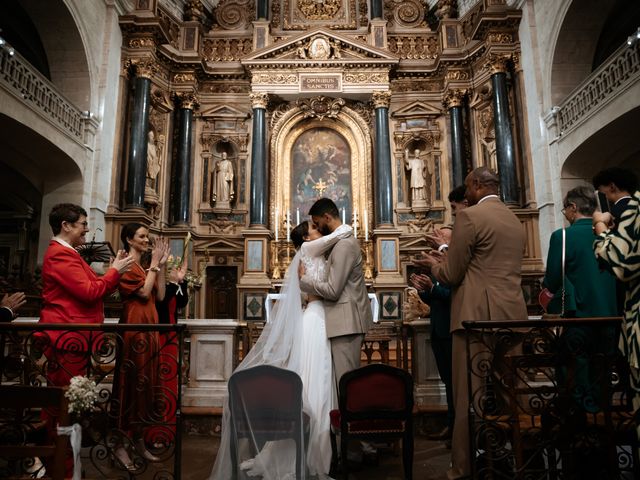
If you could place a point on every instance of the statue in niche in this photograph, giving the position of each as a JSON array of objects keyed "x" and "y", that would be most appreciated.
[
  {"x": 153, "y": 160},
  {"x": 420, "y": 173},
  {"x": 489, "y": 153},
  {"x": 223, "y": 174}
]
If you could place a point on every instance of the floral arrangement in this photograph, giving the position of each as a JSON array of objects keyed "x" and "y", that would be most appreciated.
[
  {"x": 82, "y": 394},
  {"x": 193, "y": 279}
]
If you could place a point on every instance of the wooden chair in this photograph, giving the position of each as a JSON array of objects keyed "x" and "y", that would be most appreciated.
[
  {"x": 265, "y": 404},
  {"x": 20, "y": 408},
  {"x": 375, "y": 403}
]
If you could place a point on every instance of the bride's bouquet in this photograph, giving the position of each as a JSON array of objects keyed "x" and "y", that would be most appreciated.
[{"x": 82, "y": 394}]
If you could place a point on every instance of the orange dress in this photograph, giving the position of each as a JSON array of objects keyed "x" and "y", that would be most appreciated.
[{"x": 138, "y": 371}]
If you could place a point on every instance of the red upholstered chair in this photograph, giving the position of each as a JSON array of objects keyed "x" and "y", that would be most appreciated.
[
  {"x": 265, "y": 404},
  {"x": 375, "y": 403}
]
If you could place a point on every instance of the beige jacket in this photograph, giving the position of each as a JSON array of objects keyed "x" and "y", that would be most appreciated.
[
  {"x": 483, "y": 265},
  {"x": 346, "y": 304}
]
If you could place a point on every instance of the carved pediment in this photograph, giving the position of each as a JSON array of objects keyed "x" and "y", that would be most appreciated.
[
  {"x": 417, "y": 109},
  {"x": 224, "y": 111},
  {"x": 319, "y": 45}
]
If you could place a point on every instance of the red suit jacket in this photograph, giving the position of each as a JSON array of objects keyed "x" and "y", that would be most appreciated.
[{"x": 71, "y": 290}]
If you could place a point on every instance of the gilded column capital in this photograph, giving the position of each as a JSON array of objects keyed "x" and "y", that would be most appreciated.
[
  {"x": 187, "y": 100},
  {"x": 143, "y": 67},
  {"x": 499, "y": 63},
  {"x": 259, "y": 100},
  {"x": 381, "y": 99},
  {"x": 454, "y": 98}
]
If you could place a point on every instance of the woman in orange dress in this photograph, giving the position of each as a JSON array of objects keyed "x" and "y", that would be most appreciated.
[{"x": 140, "y": 288}]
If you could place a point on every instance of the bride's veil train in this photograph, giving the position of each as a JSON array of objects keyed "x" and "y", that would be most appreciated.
[{"x": 277, "y": 346}]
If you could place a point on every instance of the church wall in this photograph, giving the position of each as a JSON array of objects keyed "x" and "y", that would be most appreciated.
[{"x": 558, "y": 40}]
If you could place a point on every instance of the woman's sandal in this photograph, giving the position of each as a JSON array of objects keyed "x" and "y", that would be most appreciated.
[{"x": 123, "y": 458}]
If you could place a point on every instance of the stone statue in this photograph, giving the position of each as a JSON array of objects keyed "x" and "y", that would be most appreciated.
[
  {"x": 489, "y": 153},
  {"x": 420, "y": 178},
  {"x": 223, "y": 181},
  {"x": 153, "y": 160}
]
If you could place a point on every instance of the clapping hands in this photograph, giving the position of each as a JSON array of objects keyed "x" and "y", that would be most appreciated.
[
  {"x": 14, "y": 301},
  {"x": 428, "y": 260},
  {"x": 122, "y": 262},
  {"x": 421, "y": 282},
  {"x": 160, "y": 252},
  {"x": 177, "y": 274}
]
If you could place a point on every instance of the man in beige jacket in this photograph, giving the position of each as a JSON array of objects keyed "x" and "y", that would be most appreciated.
[
  {"x": 347, "y": 308},
  {"x": 483, "y": 268}
]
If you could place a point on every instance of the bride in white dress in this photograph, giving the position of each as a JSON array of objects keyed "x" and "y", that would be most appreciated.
[{"x": 296, "y": 340}]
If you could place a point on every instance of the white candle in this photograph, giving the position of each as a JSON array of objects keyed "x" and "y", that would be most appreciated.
[
  {"x": 297, "y": 216},
  {"x": 288, "y": 225},
  {"x": 355, "y": 223},
  {"x": 277, "y": 221},
  {"x": 366, "y": 226},
  {"x": 344, "y": 213}
]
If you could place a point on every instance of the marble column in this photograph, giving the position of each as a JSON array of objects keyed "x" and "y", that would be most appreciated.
[
  {"x": 181, "y": 181},
  {"x": 376, "y": 9},
  {"x": 505, "y": 149},
  {"x": 139, "y": 129},
  {"x": 453, "y": 102},
  {"x": 384, "y": 206},
  {"x": 262, "y": 10},
  {"x": 259, "y": 183}
]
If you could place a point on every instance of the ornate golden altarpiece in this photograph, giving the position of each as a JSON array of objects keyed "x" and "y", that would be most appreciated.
[{"x": 318, "y": 69}]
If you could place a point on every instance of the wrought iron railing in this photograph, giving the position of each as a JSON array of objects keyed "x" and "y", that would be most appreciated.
[
  {"x": 23, "y": 80},
  {"x": 604, "y": 84},
  {"x": 137, "y": 369},
  {"x": 550, "y": 399}
]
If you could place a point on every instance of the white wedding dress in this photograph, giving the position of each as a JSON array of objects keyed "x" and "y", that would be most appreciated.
[{"x": 295, "y": 339}]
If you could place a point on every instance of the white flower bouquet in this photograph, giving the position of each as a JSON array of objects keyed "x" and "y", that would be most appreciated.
[{"x": 82, "y": 394}]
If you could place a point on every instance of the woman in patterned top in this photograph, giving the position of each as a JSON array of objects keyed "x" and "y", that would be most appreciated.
[{"x": 619, "y": 249}]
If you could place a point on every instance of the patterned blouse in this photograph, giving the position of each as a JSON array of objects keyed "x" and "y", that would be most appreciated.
[{"x": 620, "y": 250}]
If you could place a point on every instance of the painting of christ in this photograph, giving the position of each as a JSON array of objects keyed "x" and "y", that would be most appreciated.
[{"x": 321, "y": 167}]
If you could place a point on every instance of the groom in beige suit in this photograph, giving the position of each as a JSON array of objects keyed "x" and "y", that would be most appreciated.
[
  {"x": 483, "y": 268},
  {"x": 346, "y": 303}
]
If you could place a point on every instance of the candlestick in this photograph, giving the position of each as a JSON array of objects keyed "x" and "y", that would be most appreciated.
[
  {"x": 355, "y": 223},
  {"x": 366, "y": 226},
  {"x": 297, "y": 216},
  {"x": 277, "y": 221},
  {"x": 344, "y": 213},
  {"x": 288, "y": 225}
]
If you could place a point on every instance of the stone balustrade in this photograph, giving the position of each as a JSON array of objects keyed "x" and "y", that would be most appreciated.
[{"x": 21, "y": 79}]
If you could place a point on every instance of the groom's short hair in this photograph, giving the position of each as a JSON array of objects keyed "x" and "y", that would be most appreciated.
[{"x": 322, "y": 206}]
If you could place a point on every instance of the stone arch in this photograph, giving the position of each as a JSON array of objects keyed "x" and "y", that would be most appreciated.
[
  {"x": 614, "y": 144},
  {"x": 64, "y": 43},
  {"x": 577, "y": 37}
]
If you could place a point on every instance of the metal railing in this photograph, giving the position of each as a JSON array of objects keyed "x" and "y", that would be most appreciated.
[
  {"x": 550, "y": 399},
  {"x": 137, "y": 370}
]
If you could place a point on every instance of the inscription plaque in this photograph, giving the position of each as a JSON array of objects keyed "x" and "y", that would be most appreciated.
[{"x": 320, "y": 83}]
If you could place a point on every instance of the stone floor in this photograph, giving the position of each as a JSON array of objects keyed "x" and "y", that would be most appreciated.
[{"x": 430, "y": 460}]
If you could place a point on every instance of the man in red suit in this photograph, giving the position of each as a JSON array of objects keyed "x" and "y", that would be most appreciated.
[{"x": 72, "y": 293}]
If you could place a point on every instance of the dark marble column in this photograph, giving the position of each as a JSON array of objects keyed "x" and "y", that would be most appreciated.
[
  {"x": 384, "y": 206},
  {"x": 259, "y": 181},
  {"x": 262, "y": 10},
  {"x": 453, "y": 102},
  {"x": 181, "y": 180},
  {"x": 505, "y": 150},
  {"x": 376, "y": 9},
  {"x": 137, "y": 165}
]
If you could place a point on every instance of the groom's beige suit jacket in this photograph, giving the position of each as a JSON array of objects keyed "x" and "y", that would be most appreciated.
[{"x": 346, "y": 303}]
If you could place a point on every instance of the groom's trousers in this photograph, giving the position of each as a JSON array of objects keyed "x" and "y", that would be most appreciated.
[{"x": 345, "y": 354}]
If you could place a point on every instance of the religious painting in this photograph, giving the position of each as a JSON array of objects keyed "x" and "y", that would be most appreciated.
[{"x": 321, "y": 167}]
